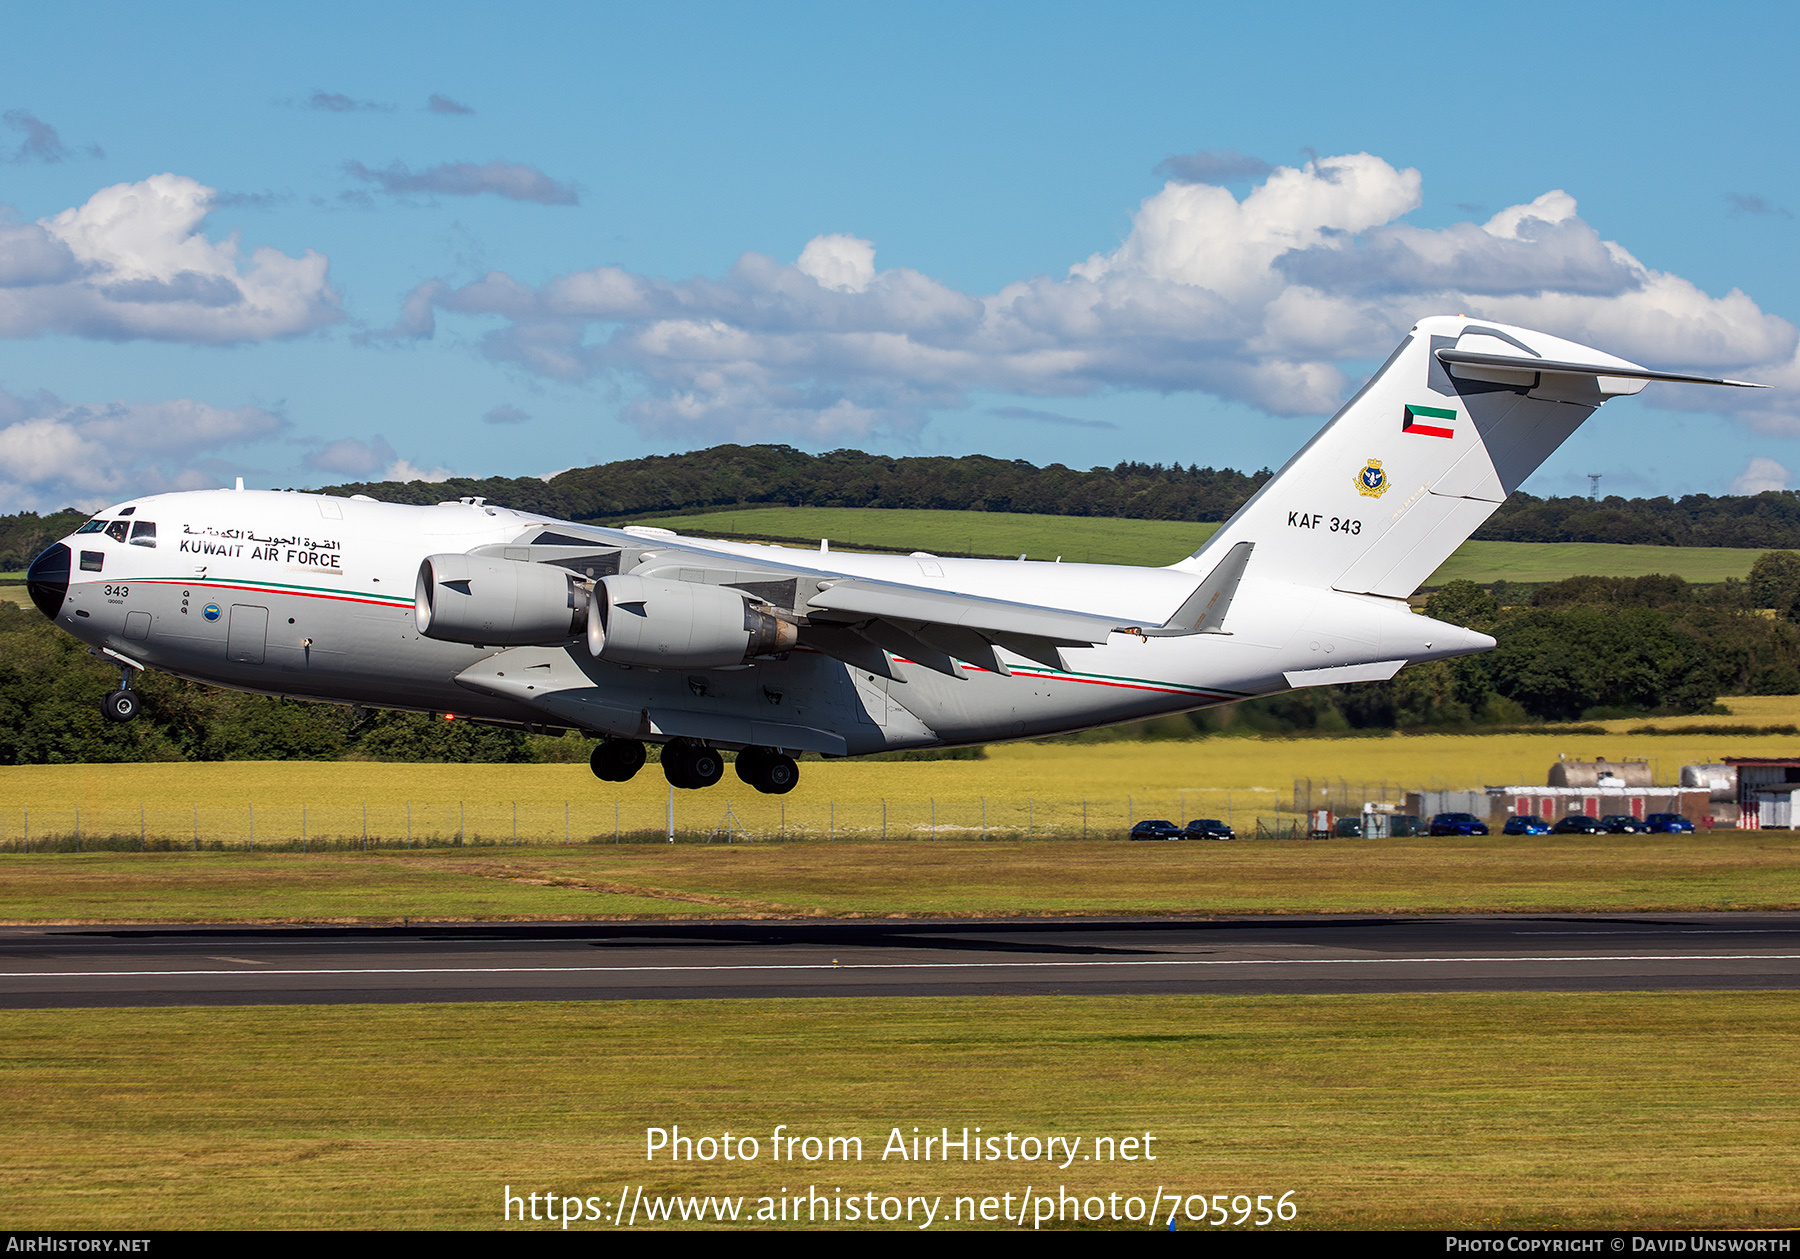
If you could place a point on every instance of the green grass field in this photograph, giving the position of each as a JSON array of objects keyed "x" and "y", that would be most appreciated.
[
  {"x": 1721, "y": 870},
  {"x": 1156, "y": 542},
  {"x": 1552, "y": 561},
  {"x": 1628, "y": 1110}
]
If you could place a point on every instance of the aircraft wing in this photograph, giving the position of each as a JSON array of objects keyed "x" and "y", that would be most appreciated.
[{"x": 863, "y": 621}]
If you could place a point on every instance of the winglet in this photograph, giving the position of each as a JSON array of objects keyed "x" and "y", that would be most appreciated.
[{"x": 1203, "y": 612}]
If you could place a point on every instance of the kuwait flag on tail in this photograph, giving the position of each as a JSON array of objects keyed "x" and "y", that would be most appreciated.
[{"x": 1428, "y": 421}]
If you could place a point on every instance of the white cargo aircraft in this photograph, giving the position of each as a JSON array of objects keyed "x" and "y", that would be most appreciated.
[{"x": 639, "y": 635}]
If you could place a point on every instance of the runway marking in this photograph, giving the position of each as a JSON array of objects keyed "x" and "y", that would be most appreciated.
[
  {"x": 243, "y": 960},
  {"x": 1733, "y": 931},
  {"x": 772, "y": 966}
]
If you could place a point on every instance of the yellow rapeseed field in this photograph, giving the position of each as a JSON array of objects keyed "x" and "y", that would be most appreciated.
[{"x": 1020, "y": 788}]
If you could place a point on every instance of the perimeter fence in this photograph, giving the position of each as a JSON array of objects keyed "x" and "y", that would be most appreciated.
[{"x": 686, "y": 817}]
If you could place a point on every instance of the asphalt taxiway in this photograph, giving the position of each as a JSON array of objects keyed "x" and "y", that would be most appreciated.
[{"x": 75, "y": 966}]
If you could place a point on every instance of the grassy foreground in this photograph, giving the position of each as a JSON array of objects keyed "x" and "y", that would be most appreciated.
[
  {"x": 1670, "y": 1110},
  {"x": 947, "y": 878},
  {"x": 1104, "y": 540}
]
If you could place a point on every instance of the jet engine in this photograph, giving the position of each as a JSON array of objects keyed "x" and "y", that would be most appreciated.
[
  {"x": 680, "y": 624},
  {"x": 506, "y": 603}
]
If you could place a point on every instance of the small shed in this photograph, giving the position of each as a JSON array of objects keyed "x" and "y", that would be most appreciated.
[{"x": 1765, "y": 790}]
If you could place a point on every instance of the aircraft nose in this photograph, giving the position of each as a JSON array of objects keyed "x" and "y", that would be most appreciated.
[{"x": 48, "y": 579}]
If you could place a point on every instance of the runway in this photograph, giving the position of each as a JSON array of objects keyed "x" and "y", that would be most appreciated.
[{"x": 241, "y": 965}]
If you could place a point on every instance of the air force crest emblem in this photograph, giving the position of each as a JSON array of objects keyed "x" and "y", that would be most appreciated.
[{"x": 1372, "y": 482}]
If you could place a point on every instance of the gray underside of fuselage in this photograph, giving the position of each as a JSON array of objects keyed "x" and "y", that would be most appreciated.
[{"x": 353, "y": 653}]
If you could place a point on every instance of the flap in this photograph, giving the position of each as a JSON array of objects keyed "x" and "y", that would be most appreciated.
[{"x": 857, "y": 597}]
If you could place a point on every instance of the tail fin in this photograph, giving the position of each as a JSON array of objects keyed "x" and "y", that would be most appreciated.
[{"x": 1424, "y": 453}]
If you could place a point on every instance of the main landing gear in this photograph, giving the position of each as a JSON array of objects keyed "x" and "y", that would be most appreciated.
[
  {"x": 692, "y": 765},
  {"x": 121, "y": 705},
  {"x": 616, "y": 760},
  {"x": 768, "y": 771}
]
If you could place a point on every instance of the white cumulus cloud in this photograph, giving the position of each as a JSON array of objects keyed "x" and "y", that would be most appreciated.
[
  {"x": 55, "y": 455},
  {"x": 1762, "y": 473},
  {"x": 134, "y": 262},
  {"x": 372, "y": 460},
  {"x": 1262, "y": 299},
  {"x": 846, "y": 263}
]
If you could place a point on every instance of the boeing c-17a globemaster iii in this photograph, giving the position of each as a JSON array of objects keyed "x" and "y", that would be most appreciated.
[{"x": 638, "y": 635}]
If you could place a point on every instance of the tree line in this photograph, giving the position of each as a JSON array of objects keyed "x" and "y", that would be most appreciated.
[{"x": 746, "y": 476}]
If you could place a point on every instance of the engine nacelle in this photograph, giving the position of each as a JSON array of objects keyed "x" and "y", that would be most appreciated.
[
  {"x": 505, "y": 603},
  {"x": 680, "y": 624}
]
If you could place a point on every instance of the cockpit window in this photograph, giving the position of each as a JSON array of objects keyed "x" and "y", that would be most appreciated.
[
  {"x": 92, "y": 526},
  {"x": 116, "y": 530},
  {"x": 143, "y": 533},
  {"x": 126, "y": 511}
]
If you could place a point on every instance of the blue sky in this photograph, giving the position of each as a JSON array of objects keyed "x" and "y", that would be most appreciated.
[{"x": 245, "y": 242}]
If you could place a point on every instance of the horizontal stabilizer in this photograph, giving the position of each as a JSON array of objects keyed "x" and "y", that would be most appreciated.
[{"x": 1527, "y": 363}]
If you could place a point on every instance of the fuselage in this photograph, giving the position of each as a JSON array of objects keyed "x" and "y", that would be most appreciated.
[{"x": 312, "y": 596}]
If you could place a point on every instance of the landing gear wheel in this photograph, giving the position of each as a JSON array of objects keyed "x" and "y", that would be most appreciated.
[
  {"x": 120, "y": 705},
  {"x": 749, "y": 761},
  {"x": 616, "y": 760},
  {"x": 691, "y": 765},
  {"x": 768, "y": 771}
]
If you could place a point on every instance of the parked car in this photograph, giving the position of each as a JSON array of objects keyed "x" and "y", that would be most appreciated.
[
  {"x": 1668, "y": 824},
  {"x": 1525, "y": 824},
  {"x": 1156, "y": 828},
  {"x": 1624, "y": 824},
  {"x": 1348, "y": 827},
  {"x": 1578, "y": 824},
  {"x": 1208, "y": 828},
  {"x": 1403, "y": 825},
  {"x": 1458, "y": 824}
]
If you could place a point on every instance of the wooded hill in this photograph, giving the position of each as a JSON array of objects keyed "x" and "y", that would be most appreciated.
[{"x": 724, "y": 477}]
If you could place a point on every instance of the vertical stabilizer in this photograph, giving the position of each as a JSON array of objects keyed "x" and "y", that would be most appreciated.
[{"x": 1412, "y": 465}]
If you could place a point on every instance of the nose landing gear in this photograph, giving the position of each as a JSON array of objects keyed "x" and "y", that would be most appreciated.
[{"x": 121, "y": 705}]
